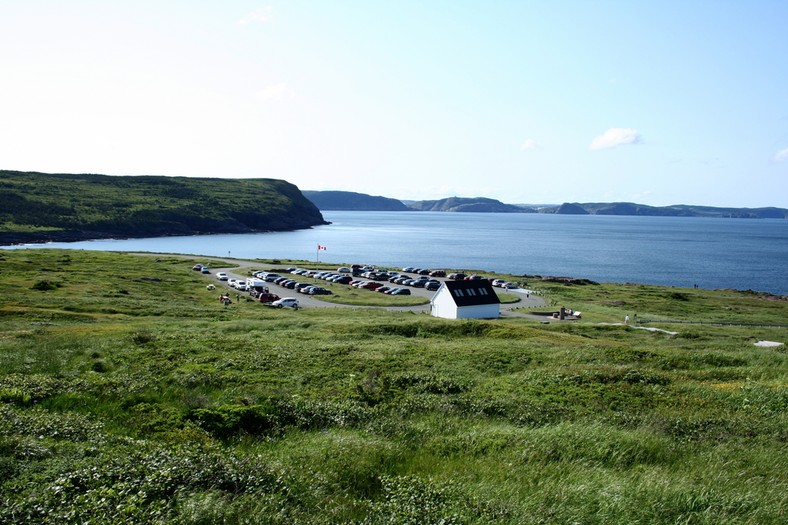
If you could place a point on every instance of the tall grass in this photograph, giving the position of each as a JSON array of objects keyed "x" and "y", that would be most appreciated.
[{"x": 128, "y": 394}]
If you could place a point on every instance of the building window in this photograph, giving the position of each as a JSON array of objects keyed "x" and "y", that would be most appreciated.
[
  {"x": 471, "y": 292},
  {"x": 458, "y": 293},
  {"x": 482, "y": 291}
]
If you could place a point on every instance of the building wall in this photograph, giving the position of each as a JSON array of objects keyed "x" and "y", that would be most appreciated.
[
  {"x": 443, "y": 305},
  {"x": 482, "y": 311}
]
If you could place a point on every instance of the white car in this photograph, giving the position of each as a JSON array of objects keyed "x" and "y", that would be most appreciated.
[
  {"x": 286, "y": 302},
  {"x": 221, "y": 276}
]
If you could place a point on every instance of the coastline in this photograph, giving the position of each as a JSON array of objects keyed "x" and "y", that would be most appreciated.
[{"x": 668, "y": 251}]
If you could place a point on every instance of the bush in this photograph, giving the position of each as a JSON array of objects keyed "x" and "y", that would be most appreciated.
[
  {"x": 44, "y": 286},
  {"x": 227, "y": 421}
]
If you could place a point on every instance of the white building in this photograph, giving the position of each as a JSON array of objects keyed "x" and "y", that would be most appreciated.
[{"x": 473, "y": 299}]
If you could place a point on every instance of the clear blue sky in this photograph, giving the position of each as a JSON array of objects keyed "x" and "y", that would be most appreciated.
[{"x": 657, "y": 102}]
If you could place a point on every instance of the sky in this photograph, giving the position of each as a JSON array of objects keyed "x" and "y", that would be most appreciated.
[{"x": 657, "y": 102}]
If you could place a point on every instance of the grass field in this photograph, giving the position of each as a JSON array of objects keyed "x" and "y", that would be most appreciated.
[{"x": 129, "y": 395}]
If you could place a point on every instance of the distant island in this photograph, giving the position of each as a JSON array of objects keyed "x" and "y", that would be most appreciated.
[
  {"x": 41, "y": 207},
  {"x": 351, "y": 201}
]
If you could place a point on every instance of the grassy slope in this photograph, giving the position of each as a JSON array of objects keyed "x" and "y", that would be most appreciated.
[
  {"x": 37, "y": 206},
  {"x": 129, "y": 394}
]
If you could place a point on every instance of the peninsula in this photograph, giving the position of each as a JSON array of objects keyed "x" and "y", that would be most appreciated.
[{"x": 41, "y": 207}]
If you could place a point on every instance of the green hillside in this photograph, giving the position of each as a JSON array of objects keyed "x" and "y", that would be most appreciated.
[
  {"x": 37, "y": 207},
  {"x": 129, "y": 394}
]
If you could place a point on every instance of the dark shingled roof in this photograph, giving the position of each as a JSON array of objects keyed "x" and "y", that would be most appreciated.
[{"x": 472, "y": 293}]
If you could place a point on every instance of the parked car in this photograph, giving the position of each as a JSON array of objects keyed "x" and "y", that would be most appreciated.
[
  {"x": 286, "y": 302},
  {"x": 399, "y": 291},
  {"x": 438, "y": 273},
  {"x": 240, "y": 286},
  {"x": 221, "y": 276},
  {"x": 197, "y": 267},
  {"x": 457, "y": 276},
  {"x": 432, "y": 285},
  {"x": 267, "y": 297},
  {"x": 343, "y": 269}
]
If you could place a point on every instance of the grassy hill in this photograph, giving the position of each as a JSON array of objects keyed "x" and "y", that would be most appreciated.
[
  {"x": 129, "y": 394},
  {"x": 38, "y": 207}
]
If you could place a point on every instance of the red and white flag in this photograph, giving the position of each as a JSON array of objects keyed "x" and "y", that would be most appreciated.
[{"x": 321, "y": 247}]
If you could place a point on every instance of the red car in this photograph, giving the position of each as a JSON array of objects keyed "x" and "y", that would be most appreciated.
[{"x": 266, "y": 297}]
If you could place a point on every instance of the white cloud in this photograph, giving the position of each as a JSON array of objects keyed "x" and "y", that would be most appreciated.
[
  {"x": 258, "y": 16},
  {"x": 616, "y": 137},
  {"x": 275, "y": 92},
  {"x": 529, "y": 145},
  {"x": 781, "y": 155}
]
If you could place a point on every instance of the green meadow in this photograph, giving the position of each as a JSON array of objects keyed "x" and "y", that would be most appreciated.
[{"x": 128, "y": 394}]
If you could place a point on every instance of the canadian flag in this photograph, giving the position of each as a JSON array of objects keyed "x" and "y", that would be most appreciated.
[{"x": 321, "y": 247}]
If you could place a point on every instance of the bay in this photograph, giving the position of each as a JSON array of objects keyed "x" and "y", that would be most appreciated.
[{"x": 671, "y": 251}]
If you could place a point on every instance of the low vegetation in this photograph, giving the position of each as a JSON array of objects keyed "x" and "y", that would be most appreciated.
[{"x": 128, "y": 394}]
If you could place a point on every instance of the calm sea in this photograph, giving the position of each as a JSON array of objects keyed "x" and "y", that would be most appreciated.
[{"x": 674, "y": 251}]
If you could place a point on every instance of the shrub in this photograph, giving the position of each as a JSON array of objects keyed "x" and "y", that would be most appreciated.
[
  {"x": 231, "y": 420},
  {"x": 14, "y": 395},
  {"x": 142, "y": 337},
  {"x": 44, "y": 286}
]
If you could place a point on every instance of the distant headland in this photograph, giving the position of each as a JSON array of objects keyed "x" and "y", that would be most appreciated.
[{"x": 351, "y": 201}]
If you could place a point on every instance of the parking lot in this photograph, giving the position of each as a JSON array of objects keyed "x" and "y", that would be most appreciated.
[{"x": 283, "y": 281}]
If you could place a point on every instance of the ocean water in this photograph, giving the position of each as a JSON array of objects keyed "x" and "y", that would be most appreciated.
[{"x": 672, "y": 251}]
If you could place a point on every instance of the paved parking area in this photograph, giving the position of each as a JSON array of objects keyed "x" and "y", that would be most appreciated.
[{"x": 527, "y": 299}]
